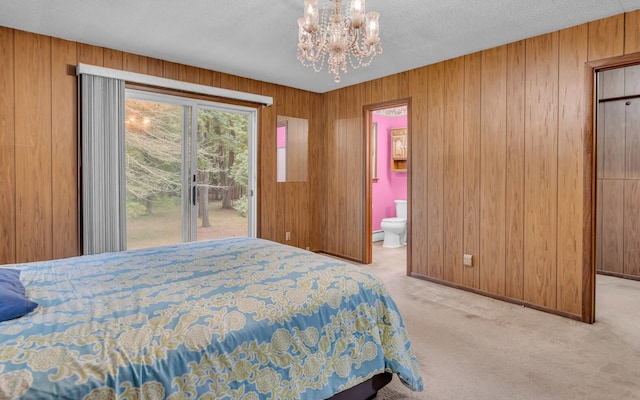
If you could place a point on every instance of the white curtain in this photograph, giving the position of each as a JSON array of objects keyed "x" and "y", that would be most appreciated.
[{"x": 103, "y": 164}]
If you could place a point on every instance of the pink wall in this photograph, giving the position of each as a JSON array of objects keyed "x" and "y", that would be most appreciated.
[
  {"x": 390, "y": 185},
  {"x": 281, "y": 136}
]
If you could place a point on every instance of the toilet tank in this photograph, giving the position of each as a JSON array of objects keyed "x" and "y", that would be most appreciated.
[{"x": 401, "y": 208}]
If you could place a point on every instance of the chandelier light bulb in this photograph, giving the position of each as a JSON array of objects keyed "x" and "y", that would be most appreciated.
[
  {"x": 357, "y": 13},
  {"x": 311, "y": 15},
  {"x": 338, "y": 35},
  {"x": 372, "y": 31}
]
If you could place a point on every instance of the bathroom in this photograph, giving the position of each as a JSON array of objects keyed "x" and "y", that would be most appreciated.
[{"x": 389, "y": 177}]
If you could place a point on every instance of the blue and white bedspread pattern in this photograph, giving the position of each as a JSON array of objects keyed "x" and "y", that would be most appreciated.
[{"x": 226, "y": 319}]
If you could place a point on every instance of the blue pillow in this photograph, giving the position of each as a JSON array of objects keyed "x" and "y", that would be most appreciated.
[{"x": 13, "y": 300}]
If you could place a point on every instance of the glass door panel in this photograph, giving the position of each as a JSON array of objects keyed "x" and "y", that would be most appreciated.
[
  {"x": 190, "y": 169},
  {"x": 222, "y": 173},
  {"x": 154, "y": 170}
]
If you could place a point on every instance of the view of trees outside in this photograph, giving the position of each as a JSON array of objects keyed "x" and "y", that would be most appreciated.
[{"x": 154, "y": 143}]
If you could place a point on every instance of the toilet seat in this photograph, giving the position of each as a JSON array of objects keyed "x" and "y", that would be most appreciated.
[{"x": 394, "y": 219}]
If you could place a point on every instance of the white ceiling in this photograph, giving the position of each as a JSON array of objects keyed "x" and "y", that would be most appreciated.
[{"x": 257, "y": 38}]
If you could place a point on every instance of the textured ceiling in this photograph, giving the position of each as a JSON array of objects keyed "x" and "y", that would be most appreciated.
[{"x": 257, "y": 38}]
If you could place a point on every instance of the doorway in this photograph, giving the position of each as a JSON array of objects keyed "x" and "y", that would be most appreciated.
[
  {"x": 618, "y": 172},
  {"x": 388, "y": 178},
  {"x": 612, "y": 163},
  {"x": 190, "y": 169}
]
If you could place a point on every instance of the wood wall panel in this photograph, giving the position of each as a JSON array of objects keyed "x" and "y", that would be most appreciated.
[
  {"x": 267, "y": 191},
  {"x": 345, "y": 182},
  {"x": 394, "y": 87},
  {"x": 64, "y": 167},
  {"x": 514, "y": 185},
  {"x": 606, "y": 37},
  {"x": 453, "y": 169},
  {"x": 333, "y": 171},
  {"x": 599, "y": 170},
  {"x": 631, "y": 80},
  {"x": 573, "y": 47},
  {"x": 229, "y": 81},
  {"x": 189, "y": 74},
  {"x": 419, "y": 173},
  {"x": 355, "y": 166},
  {"x": 632, "y": 32},
  {"x": 170, "y": 70},
  {"x": 374, "y": 91},
  {"x": 613, "y": 225},
  {"x": 113, "y": 59},
  {"x": 292, "y": 212},
  {"x": 155, "y": 67},
  {"x": 341, "y": 226},
  {"x": 435, "y": 168},
  {"x": 33, "y": 147},
  {"x": 92, "y": 55},
  {"x": 614, "y": 139},
  {"x": 599, "y": 217},
  {"x": 541, "y": 179},
  {"x": 632, "y": 139},
  {"x": 135, "y": 63},
  {"x": 317, "y": 175},
  {"x": 205, "y": 77},
  {"x": 632, "y": 227},
  {"x": 7, "y": 149},
  {"x": 471, "y": 184},
  {"x": 493, "y": 141}
]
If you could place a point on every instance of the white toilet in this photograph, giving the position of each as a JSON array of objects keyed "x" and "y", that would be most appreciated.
[{"x": 395, "y": 229}]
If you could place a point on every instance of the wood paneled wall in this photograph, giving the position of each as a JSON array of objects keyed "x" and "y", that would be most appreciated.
[
  {"x": 497, "y": 164},
  {"x": 344, "y": 203},
  {"x": 39, "y": 205}
]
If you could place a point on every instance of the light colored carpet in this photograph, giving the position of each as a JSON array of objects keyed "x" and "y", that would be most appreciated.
[{"x": 474, "y": 347}]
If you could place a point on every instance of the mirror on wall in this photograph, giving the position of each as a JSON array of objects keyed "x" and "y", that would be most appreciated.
[{"x": 292, "y": 149}]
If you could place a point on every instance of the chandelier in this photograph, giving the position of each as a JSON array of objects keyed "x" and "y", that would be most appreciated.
[{"x": 334, "y": 37}]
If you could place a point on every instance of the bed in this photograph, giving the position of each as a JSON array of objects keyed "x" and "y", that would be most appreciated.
[{"x": 237, "y": 318}]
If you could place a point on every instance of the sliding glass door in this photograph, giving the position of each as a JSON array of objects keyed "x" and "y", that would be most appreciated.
[
  {"x": 222, "y": 164},
  {"x": 190, "y": 168}
]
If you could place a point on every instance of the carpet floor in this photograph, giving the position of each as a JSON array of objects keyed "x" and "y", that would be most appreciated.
[{"x": 474, "y": 347}]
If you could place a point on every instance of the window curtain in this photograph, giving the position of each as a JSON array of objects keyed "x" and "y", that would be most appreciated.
[{"x": 103, "y": 164}]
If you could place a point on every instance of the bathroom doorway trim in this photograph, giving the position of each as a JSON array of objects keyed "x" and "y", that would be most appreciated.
[{"x": 367, "y": 115}]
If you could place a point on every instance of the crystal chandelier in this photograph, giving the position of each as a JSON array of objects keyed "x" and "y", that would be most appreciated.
[{"x": 338, "y": 37}]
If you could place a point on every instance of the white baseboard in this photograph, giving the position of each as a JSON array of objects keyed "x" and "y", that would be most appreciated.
[{"x": 378, "y": 236}]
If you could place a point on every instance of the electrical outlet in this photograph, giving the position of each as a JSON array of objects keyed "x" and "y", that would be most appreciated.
[
  {"x": 467, "y": 260},
  {"x": 287, "y": 236}
]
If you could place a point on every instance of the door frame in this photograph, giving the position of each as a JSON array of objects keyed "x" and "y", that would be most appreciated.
[
  {"x": 191, "y": 107},
  {"x": 590, "y": 178},
  {"x": 367, "y": 114}
]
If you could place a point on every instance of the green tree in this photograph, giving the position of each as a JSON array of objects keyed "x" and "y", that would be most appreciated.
[
  {"x": 154, "y": 143},
  {"x": 222, "y": 157},
  {"x": 153, "y": 151}
]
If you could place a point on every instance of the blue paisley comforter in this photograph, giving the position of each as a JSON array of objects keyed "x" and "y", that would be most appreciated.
[{"x": 226, "y": 319}]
